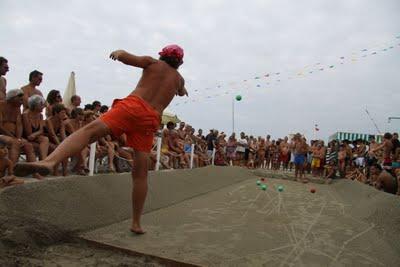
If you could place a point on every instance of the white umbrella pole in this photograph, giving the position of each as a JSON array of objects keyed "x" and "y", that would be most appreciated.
[
  {"x": 191, "y": 156},
  {"x": 158, "y": 152},
  {"x": 92, "y": 158},
  {"x": 213, "y": 157}
]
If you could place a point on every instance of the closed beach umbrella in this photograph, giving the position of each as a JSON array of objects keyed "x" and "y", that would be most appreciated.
[{"x": 70, "y": 90}]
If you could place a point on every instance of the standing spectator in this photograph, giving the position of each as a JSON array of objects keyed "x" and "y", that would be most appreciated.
[
  {"x": 241, "y": 148},
  {"x": 396, "y": 142},
  {"x": 300, "y": 150},
  {"x": 35, "y": 79},
  {"x": 211, "y": 138},
  {"x": 231, "y": 149},
  {"x": 53, "y": 98},
  {"x": 3, "y": 82},
  {"x": 34, "y": 124}
]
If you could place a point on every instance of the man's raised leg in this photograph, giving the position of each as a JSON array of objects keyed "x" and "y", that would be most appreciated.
[
  {"x": 72, "y": 145},
  {"x": 139, "y": 191}
]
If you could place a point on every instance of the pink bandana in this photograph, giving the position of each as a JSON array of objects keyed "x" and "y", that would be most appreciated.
[{"x": 172, "y": 51}]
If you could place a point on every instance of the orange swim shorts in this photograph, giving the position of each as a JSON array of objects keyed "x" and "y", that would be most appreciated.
[{"x": 136, "y": 118}]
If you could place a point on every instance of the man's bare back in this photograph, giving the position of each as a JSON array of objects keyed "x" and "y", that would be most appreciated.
[{"x": 159, "y": 82}]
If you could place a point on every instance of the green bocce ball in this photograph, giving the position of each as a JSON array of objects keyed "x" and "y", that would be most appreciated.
[
  {"x": 258, "y": 182},
  {"x": 264, "y": 187},
  {"x": 238, "y": 97},
  {"x": 280, "y": 188}
]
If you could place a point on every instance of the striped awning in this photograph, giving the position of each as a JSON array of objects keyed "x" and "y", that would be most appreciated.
[{"x": 354, "y": 136}]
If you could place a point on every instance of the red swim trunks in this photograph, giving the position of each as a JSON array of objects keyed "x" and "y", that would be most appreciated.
[{"x": 136, "y": 118}]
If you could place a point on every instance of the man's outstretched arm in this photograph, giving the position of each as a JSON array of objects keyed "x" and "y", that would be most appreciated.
[
  {"x": 132, "y": 60},
  {"x": 181, "y": 91}
]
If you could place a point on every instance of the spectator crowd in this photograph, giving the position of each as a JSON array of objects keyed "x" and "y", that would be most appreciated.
[{"x": 32, "y": 126}]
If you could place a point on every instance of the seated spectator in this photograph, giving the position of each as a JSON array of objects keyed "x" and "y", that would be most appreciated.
[
  {"x": 96, "y": 106},
  {"x": 181, "y": 131},
  {"x": 11, "y": 128},
  {"x": 123, "y": 151},
  {"x": 53, "y": 98},
  {"x": 71, "y": 125},
  {"x": 88, "y": 107},
  {"x": 55, "y": 130},
  {"x": 387, "y": 181},
  {"x": 34, "y": 124},
  {"x": 3, "y": 82},
  {"x": 75, "y": 103},
  {"x": 176, "y": 146},
  {"x": 188, "y": 147},
  {"x": 6, "y": 168},
  {"x": 35, "y": 79},
  {"x": 103, "y": 109}
]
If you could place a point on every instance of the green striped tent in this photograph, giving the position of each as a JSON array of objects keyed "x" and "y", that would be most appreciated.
[{"x": 354, "y": 136}]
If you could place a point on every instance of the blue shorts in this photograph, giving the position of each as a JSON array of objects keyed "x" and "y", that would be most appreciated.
[
  {"x": 395, "y": 165},
  {"x": 299, "y": 159}
]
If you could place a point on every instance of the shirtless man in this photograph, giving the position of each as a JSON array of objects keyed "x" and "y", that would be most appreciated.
[
  {"x": 137, "y": 115},
  {"x": 176, "y": 146},
  {"x": 11, "y": 128},
  {"x": 181, "y": 131},
  {"x": 300, "y": 150},
  {"x": 3, "y": 82},
  {"x": 75, "y": 103},
  {"x": 387, "y": 147},
  {"x": 267, "y": 152},
  {"x": 285, "y": 153},
  {"x": 35, "y": 79}
]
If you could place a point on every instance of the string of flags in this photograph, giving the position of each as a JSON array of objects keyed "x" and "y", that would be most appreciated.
[{"x": 275, "y": 78}]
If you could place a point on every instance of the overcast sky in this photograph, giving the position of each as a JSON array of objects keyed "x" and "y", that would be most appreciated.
[{"x": 225, "y": 43}]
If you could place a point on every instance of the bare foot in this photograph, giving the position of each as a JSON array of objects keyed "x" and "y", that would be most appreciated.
[
  {"x": 38, "y": 176},
  {"x": 26, "y": 168},
  {"x": 137, "y": 230}
]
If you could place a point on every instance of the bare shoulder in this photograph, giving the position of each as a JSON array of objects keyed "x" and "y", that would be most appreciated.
[{"x": 25, "y": 88}]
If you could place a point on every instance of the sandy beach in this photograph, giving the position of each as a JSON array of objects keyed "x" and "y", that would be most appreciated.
[{"x": 203, "y": 217}]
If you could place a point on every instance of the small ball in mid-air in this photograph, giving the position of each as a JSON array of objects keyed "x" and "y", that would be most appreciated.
[{"x": 238, "y": 97}]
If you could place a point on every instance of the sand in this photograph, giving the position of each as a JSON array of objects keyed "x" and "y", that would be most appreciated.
[{"x": 207, "y": 216}]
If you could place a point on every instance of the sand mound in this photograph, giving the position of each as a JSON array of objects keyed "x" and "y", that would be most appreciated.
[{"x": 47, "y": 211}]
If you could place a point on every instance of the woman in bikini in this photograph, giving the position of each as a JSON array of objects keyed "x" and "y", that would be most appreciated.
[{"x": 34, "y": 124}]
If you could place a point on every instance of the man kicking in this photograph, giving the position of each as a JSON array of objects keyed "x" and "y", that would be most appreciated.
[{"x": 138, "y": 116}]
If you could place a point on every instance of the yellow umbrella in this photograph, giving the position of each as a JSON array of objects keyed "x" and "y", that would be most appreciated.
[{"x": 168, "y": 116}]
